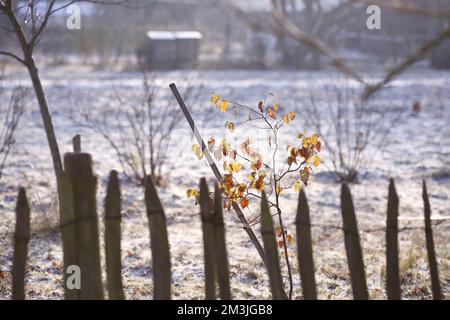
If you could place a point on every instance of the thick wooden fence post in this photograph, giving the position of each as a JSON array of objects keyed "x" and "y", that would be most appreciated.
[
  {"x": 270, "y": 248},
  {"x": 209, "y": 241},
  {"x": 353, "y": 246},
  {"x": 113, "y": 256},
  {"x": 159, "y": 242},
  {"x": 304, "y": 248},
  {"x": 392, "y": 269},
  {"x": 221, "y": 248},
  {"x": 434, "y": 273},
  {"x": 21, "y": 238},
  {"x": 79, "y": 169}
]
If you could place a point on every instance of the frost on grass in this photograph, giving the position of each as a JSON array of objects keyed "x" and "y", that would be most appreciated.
[{"x": 419, "y": 149}]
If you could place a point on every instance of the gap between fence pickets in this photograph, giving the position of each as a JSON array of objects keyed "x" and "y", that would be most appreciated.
[
  {"x": 435, "y": 217},
  {"x": 216, "y": 172}
]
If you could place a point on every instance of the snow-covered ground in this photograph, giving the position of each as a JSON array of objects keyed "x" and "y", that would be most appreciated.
[{"x": 418, "y": 147}]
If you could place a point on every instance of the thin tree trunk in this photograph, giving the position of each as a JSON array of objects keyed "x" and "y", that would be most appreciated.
[
  {"x": 46, "y": 116},
  {"x": 27, "y": 49}
]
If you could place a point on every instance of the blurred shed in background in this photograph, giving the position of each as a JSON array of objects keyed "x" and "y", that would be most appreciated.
[{"x": 170, "y": 50}]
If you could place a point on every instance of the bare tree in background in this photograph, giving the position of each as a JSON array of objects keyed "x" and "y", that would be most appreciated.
[
  {"x": 139, "y": 126},
  {"x": 352, "y": 128},
  {"x": 27, "y": 21},
  {"x": 11, "y": 113}
]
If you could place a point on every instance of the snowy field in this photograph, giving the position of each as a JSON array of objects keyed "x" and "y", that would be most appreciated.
[{"x": 418, "y": 147}]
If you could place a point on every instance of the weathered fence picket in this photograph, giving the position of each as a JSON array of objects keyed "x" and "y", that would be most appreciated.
[
  {"x": 21, "y": 238},
  {"x": 270, "y": 247},
  {"x": 162, "y": 275},
  {"x": 113, "y": 257},
  {"x": 392, "y": 268},
  {"x": 353, "y": 246},
  {"x": 434, "y": 273},
  {"x": 208, "y": 241},
  {"x": 221, "y": 248},
  {"x": 304, "y": 248}
]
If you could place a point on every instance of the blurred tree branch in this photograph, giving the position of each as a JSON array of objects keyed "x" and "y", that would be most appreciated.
[
  {"x": 407, "y": 62},
  {"x": 324, "y": 49}
]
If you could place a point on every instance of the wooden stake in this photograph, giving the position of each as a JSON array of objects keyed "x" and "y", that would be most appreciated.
[{"x": 216, "y": 172}]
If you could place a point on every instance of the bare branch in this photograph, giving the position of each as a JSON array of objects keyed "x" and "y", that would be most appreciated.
[
  {"x": 317, "y": 45},
  {"x": 12, "y": 55},
  {"x": 37, "y": 34},
  {"x": 295, "y": 32},
  {"x": 410, "y": 60}
]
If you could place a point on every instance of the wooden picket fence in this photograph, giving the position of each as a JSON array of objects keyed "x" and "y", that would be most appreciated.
[{"x": 79, "y": 229}]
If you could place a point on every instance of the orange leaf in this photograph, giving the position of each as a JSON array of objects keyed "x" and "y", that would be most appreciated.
[
  {"x": 318, "y": 146},
  {"x": 279, "y": 232},
  {"x": 244, "y": 203},
  {"x": 290, "y": 239},
  {"x": 271, "y": 113},
  {"x": 291, "y": 115}
]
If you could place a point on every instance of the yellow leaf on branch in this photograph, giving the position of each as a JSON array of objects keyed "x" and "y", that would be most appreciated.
[
  {"x": 224, "y": 106},
  {"x": 297, "y": 186},
  {"x": 193, "y": 193},
  {"x": 235, "y": 166},
  {"x": 316, "y": 161},
  {"x": 197, "y": 151}
]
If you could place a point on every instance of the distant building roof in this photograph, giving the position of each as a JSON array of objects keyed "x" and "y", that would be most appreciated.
[{"x": 173, "y": 35}]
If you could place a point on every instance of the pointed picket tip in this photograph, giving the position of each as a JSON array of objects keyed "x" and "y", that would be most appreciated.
[
  {"x": 152, "y": 200},
  {"x": 113, "y": 182},
  {"x": 218, "y": 209},
  {"x": 113, "y": 196},
  {"x": 392, "y": 189},
  {"x": 22, "y": 201},
  {"x": 424, "y": 190},
  {"x": 302, "y": 203}
]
